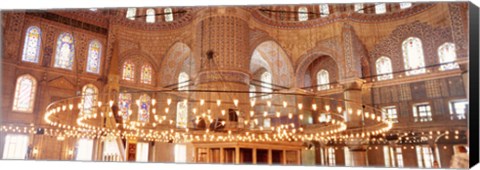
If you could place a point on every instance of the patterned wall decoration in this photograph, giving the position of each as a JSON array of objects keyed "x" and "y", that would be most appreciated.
[
  {"x": 457, "y": 24},
  {"x": 418, "y": 90},
  {"x": 391, "y": 46},
  {"x": 172, "y": 62},
  {"x": 12, "y": 34}
]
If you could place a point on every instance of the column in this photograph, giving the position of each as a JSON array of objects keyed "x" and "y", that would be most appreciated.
[
  {"x": 269, "y": 156},
  {"x": 237, "y": 155},
  {"x": 284, "y": 156},
  {"x": 209, "y": 154},
  {"x": 254, "y": 155},
  {"x": 195, "y": 159},
  {"x": 222, "y": 155},
  {"x": 353, "y": 92},
  {"x": 299, "y": 157}
]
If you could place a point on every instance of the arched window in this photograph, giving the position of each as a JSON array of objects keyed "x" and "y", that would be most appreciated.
[
  {"x": 146, "y": 75},
  {"x": 183, "y": 79},
  {"x": 65, "y": 51},
  {"x": 124, "y": 104},
  {"x": 168, "y": 14},
  {"x": 89, "y": 93},
  {"x": 94, "y": 56},
  {"x": 384, "y": 68},
  {"x": 324, "y": 10},
  {"x": 150, "y": 15},
  {"x": 358, "y": 8},
  {"x": 447, "y": 56},
  {"x": 302, "y": 14},
  {"x": 143, "y": 108},
  {"x": 131, "y": 12},
  {"x": 24, "y": 94},
  {"x": 323, "y": 81},
  {"x": 380, "y": 8},
  {"x": 128, "y": 71},
  {"x": 404, "y": 5},
  {"x": 266, "y": 79},
  {"x": 31, "y": 46},
  {"x": 413, "y": 56},
  {"x": 182, "y": 114}
]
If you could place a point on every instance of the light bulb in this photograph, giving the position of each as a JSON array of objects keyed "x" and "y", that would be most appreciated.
[
  {"x": 235, "y": 101},
  {"x": 269, "y": 103},
  {"x": 169, "y": 101},
  {"x": 284, "y": 104},
  {"x": 300, "y": 106},
  {"x": 219, "y": 102},
  {"x": 223, "y": 112},
  {"x": 314, "y": 107},
  {"x": 202, "y": 102}
]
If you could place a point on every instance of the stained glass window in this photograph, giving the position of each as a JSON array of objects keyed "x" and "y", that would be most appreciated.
[
  {"x": 150, "y": 15},
  {"x": 447, "y": 56},
  {"x": 124, "y": 103},
  {"x": 324, "y": 10},
  {"x": 404, "y": 5},
  {"x": 358, "y": 8},
  {"x": 384, "y": 68},
  {"x": 380, "y": 8},
  {"x": 302, "y": 14},
  {"x": 144, "y": 108},
  {"x": 89, "y": 98},
  {"x": 31, "y": 46},
  {"x": 146, "y": 76},
  {"x": 168, "y": 14},
  {"x": 413, "y": 56},
  {"x": 323, "y": 81},
  {"x": 182, "y": 114},
  {"x": 94, "y": 56},
  {"x": 128, "y": 71},
  {"x": 183, "y": 81},
  {"x": 266, "y": 79},
  {"x": 24, "y": 93},
  {"x": 65, "y": 51},
  {"x": 131, "y": 12}
]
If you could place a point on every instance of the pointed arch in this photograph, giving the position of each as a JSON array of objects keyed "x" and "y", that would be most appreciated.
[
  {"x": 89, "y": 98},
  {"x": 384, "y": 69},
  {"x": 128, "y": 71},
  {"x": 32, "y": 44},
  {"x": 65, "y": 51},
  {"x": 271, "y": 56},
  {"x": 177, "y": 59},
  {"x": 323, "y": 80},
  {"x": 447, "y": 56},
  {"x": 94, "y": 57},
  {"x": 146, "y": 74},
  {"x": 25, "y": 91},
  {"x": 414, "y": 61},
  {"x": 143, "y": 108}
]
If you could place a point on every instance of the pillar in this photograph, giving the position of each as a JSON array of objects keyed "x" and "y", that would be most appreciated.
[
  {"x": 269, "y": 156},
  {"x": 222, "y": 155},
  {"x": 254, "y": 155},
  {"x": 284, "y": 156},
  {"x": 237, "y": 155},
  {"x": 299, "y": 157}
]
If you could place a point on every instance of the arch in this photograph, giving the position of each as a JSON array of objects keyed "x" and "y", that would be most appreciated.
[
  {"x": 89, "y": 98},
  {"x": 65, "y": 51},
  {"x": 94, "y": 57},
  {"x": 150, "y": 15},
  {"x": 182, "y": 114},
  {"x": 25, "y": 90},
  {"x": 273, "y": 57},
  {"x": 143, "y": 103},
  {"x": 383, "y": 65},
  {"x": 178, "y": 55},
  {"x": 168, "y": 14},
  {"x": 413, "y": 56},
  {"x": 312, "y": 56},
  {"x": 447, "y": 56},
  {"x": 32, "y": 44},
  {"x": 128, "y": 70},
  {"x": 323, "y": 80},
  {"x": 146, "y": 74}
]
